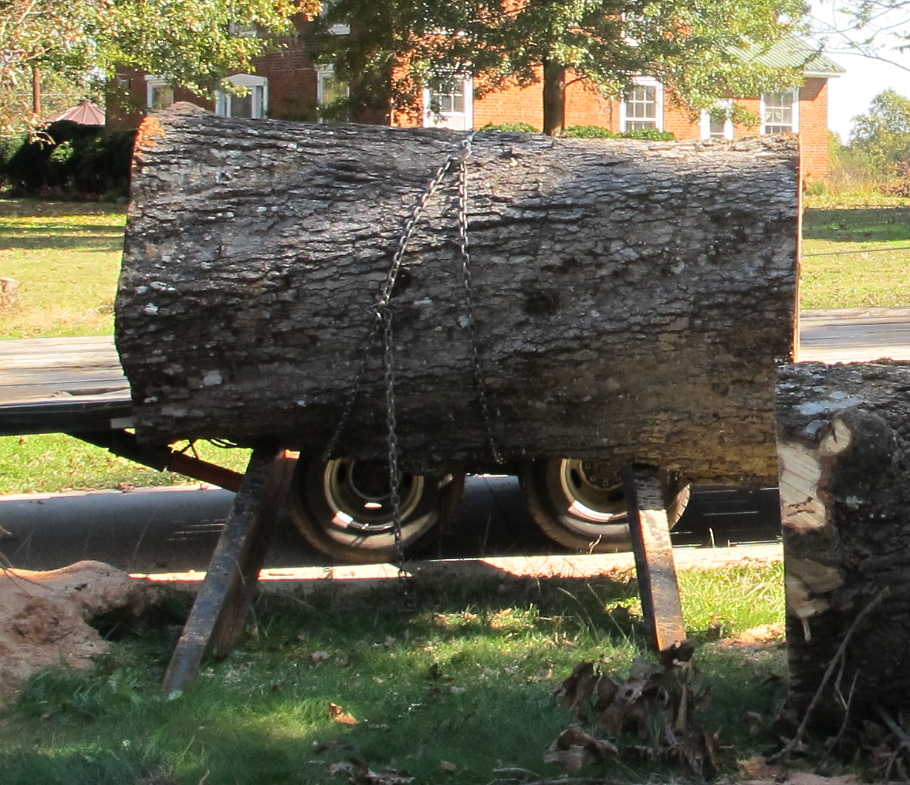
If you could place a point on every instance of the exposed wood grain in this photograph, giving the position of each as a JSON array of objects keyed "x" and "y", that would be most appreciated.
[{"x": 844, "y": 447}]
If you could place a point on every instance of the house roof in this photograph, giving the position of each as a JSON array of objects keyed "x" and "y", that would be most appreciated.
[
  {"x": 791, "y": 52},
  {"x": 85, "y": 113}
]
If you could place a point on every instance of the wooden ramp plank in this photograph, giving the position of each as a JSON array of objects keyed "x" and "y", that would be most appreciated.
[
  {"x": 224, "y": 599},
  {"x": 657, "y": 583}
]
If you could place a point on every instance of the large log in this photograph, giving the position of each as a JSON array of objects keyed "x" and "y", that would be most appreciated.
[
  {"x": 630, "y": 298},
  {"x": 844, "y": 447}
]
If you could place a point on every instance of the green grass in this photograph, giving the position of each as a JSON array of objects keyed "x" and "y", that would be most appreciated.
[
  {"x": 449, "y": 675},
  {"x": 856, "y": 251},
  {"x": 49, "y": 463},
  {"x": 66, "y": 258}
]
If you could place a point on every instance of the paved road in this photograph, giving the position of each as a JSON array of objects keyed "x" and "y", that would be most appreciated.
[{"x": 854, "y": 335}]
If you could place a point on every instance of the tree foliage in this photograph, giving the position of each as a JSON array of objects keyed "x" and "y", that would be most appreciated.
[
  {"x": 882, "y": 135},
  {"x": 694, "y": 48},
  {"x": 192, "y": 43}
]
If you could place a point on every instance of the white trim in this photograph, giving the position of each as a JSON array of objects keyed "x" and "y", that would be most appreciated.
[
  {"x": 153, "y": 81},
  {"x": 823, "y": 74},
  {"x": 460, "y": 121},
  {"x": 259, "y": 109},
  {"x": 646, "y": 81},
  {"x": 724, "y": 103},
  {"x": 794, "y": 125}
]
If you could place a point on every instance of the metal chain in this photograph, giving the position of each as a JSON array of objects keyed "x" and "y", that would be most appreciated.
[
  {"x": 386, "y": 292},
  {"x": 480, "y": 388},
  {"x": 383, "y": 312}
]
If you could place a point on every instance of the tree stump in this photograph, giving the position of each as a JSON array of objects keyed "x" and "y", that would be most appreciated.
[
  {"x": 629, "y": 299},
  {"x": 844, "y": 449}
]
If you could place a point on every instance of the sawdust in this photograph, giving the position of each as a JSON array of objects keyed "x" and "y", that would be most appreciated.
[{"x": 44, "y": 616}]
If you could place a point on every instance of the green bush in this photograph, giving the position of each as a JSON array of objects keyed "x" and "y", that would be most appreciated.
[
  {"x": 599, "y": 132},
  {"x": 521, "y": 128},
  {"x": 68, "y": 161}
]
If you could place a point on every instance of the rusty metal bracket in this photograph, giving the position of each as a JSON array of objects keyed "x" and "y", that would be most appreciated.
[
  {"x": 220, "y": 610},
  {"x": 125, "y": 445},
  {"x": 657, "y": 584}
]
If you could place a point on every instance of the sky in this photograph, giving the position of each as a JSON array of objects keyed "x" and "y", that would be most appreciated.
[{"x": 851, "y": 93}]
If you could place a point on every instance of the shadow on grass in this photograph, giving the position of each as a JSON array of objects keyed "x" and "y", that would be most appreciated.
[
  {"x": 879, "y": 225},
  {"x": 446, "y": 682}
]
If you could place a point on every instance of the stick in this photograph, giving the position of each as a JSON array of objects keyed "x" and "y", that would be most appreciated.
[{"x": 829, "y": 671}]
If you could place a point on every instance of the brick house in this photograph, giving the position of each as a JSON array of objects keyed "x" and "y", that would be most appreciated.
[{"x": 288, "y": 85}]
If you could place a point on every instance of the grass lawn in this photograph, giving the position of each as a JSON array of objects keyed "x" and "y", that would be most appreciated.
[
  {"x": 452, "y": 684},
  {"x": 66, "y": 258},
  {"x": 856, "y": 255}
]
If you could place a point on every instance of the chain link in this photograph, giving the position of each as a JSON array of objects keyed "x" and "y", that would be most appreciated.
[{"x": 480, "y": 388}]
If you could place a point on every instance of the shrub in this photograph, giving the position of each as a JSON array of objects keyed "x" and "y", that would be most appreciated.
[
  {"x": 68, "y": 161},
  {"x": 521, "y": 128},
  {"x": 599, "y": 132}
]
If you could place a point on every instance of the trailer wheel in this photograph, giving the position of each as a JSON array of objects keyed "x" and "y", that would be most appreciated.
[
  {"x": 343, "y": 507},
  {"x": 574, "y": 507},
  {"x": 584, "y": 508}
]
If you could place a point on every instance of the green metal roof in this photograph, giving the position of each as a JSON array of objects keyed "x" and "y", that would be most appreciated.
[{"x": 791, "y": 52}]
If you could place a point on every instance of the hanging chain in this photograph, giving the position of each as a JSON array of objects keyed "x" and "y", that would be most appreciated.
[
  {"x": 382, "y": 306},
  {"x": 480, "y": 388}
]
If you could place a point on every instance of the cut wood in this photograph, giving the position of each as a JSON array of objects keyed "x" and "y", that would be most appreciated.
[
  {"x": 844, "y": 447},
  {"x": 630, "y": 299}
]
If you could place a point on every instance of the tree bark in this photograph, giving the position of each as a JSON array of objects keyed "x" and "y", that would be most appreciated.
[
  {"x": 554, "y": 98},
  {"x": 844, "y": 449},
  {"x": 629, "y": 298}
]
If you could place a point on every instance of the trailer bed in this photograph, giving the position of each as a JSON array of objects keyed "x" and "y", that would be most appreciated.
[{"x": 62, "y": 385}]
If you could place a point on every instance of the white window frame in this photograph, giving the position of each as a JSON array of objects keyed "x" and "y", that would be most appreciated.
[
  {"x": 645, "y": 81},
  {"x": 243, "y": 30},
  {"x": 152, "y": 82},
  {"x": 223, "y": 98},
  {"x": 338, "y": 28},
  {"x": 794, "y": 93},
  {"x": 726, "y": 104},
  {"x": 323, "y": 73},
  {"x": 460, "y": 121}
]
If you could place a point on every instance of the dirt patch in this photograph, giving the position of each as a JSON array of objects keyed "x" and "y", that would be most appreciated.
[{"x": 44, "y": 616}]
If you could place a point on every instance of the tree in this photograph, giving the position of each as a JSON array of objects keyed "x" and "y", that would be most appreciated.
[
  {"x": 192, "y": 43},
  {"x": 697, "y": 50},
  {"x": 882, "y": 135}
]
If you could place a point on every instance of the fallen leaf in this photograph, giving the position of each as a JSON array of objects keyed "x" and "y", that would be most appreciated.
[
  {"x": 341, "y": 716},
  {"x": 319, "y": 656},
  {"x": 574, "y": 749},
  {"x": 389, "y": 642},
  {"x": 447, "y": 765},
  {"x": 358, "y": 773}
]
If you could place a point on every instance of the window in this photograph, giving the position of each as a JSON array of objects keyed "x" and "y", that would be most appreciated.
[
  {"x": 329, "y": 88},
  {"x": 716, "y": 122},
  {"x": 335, "y": 29},
  {"x": 253, "y": 104},
  {"x": 243, "y": 30},
  {"x": 643, "y": 106},
  {"x": 159, "y": 93},
  {"x": 448, "y": 102},
  {"x": 780, "y": 112}
]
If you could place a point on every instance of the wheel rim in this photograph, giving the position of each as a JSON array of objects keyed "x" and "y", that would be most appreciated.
[
  {"x": 590, "y": 497},
  {"x": 358, "y": 494}
]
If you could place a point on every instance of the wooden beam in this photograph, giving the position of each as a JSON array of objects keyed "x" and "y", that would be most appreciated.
[
  {"x": 650, "y": 531},
  {"x": 224, "y": 599}
]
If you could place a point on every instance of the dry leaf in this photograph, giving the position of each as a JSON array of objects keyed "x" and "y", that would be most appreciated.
[
  {"x": 574, "y": 749},
  {"x": 319, "y": 656},
  {"x": 447, "y": 765},
  {"x": 341, "y": 716},
  {"x": 358, "y": 773}
]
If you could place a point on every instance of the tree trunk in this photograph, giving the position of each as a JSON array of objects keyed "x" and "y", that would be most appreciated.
[
  {"x": 629, "y": 298},
  {"x": 554, "y": 98},
  {"x": 844, "y": 449}
]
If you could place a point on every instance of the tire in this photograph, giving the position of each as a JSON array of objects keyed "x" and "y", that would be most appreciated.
[
  {"x": 342, "y": 508},
  {"x": 580, "y": 511}
]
